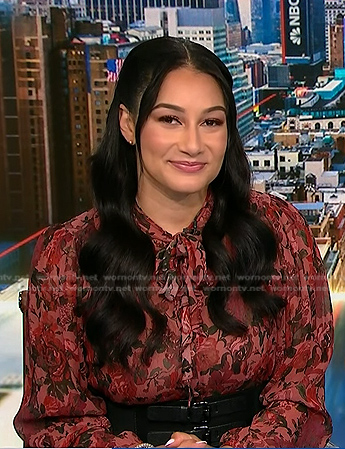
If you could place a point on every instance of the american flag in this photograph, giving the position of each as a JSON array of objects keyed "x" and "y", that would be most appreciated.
[{"x": 114, "y": 67}]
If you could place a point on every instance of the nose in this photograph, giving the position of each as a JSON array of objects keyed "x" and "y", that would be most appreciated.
[{"x": 191, "y": 142}]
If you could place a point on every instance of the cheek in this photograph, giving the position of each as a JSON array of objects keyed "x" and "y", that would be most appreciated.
[
  {"x": 154, "y": 141},
  {"x": 219, "y": 144}
]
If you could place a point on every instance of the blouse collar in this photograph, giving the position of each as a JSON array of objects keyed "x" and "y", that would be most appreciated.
[{"x": 147, "y": 225}]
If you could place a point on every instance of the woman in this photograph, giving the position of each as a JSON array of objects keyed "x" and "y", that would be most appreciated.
[{"x": 184, "y": 301}]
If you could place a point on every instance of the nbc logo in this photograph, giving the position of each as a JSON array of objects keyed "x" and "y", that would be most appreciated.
[{"x": 295, "y": 36}]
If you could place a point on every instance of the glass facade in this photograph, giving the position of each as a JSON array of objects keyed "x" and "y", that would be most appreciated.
[{"x": 265, "y": 21}]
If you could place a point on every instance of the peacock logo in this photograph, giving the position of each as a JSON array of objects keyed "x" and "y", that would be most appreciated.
[{"x": 295, "y": 36}]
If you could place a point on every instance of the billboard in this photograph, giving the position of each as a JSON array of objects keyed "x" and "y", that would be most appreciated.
[{"x": 295, "y": 28}]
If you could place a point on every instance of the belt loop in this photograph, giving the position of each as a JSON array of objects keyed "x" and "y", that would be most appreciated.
[{"x": 199, "y": 412}]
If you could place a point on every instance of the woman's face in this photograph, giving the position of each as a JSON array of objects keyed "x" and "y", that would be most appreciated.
[{"x": 184, "y": 139}]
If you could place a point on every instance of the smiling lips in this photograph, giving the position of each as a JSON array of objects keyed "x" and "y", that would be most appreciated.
[{"x": 188, "y": 167}]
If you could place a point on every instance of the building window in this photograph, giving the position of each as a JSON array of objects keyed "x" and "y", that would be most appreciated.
[
  {"x": 317, "y": 126},
  {"x": 330, "y": 125},
  {"x": 267, "y": 163},
  {"x": 255, "y": 163},
  {"x": 282, "y": 158}
]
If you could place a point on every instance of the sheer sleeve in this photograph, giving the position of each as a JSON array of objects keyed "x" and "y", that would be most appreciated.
[
  {"x": 294, "y": 413},
  {"x": 58, "y": 409}
]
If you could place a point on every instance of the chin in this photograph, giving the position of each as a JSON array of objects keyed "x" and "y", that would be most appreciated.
[{"x": 188, "y": 190}]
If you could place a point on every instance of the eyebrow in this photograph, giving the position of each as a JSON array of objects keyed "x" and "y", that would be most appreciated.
[{"x": 179, "y": 109}]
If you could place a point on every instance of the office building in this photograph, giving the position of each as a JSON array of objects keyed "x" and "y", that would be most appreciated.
[
  {"x": 83, "y": 75},
  {"x": 303, "y": 38},
  {"x": 332, "y": 10},
  {"x": 25, "y": 158},
  {"x": 265, "y": 21},
  {"x": 55, "y": 92},
  {"x": 125, "y": 12},
  {"x": 233, "y": 24},
  {"x": 255, "y": 69},
  {"x": 278, "y": 75},
  {"x": 336, "y": 43},
  {"x": 42, "y": 7}
]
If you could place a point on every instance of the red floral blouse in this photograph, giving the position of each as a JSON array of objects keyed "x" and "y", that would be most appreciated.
[{"x": 291, "y": 352}]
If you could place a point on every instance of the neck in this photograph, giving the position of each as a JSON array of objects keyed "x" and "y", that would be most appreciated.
[{"x": 171, "y": 214}]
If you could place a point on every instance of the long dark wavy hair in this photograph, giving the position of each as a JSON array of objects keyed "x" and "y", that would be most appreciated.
[{"x": 119, "y": 259}]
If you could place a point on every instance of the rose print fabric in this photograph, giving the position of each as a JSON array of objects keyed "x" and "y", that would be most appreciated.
[{"x": 290, "y": 353}]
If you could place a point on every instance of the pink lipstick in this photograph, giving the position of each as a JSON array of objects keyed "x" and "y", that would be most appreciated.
[{"x": 188, "y": 167}]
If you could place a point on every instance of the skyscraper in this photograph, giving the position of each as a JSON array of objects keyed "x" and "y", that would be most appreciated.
[
  {"x": 81, "y": 96},
  {"x": 332, "y": 10},
  {"x": 336, "y": 41},
  {"x": 25, "y": 194},
  {"x": 125, "y": 12},
  {"x": 265, "y": 21},
  {"x": 42, "y": 7},
  {"x": 303, "y": 37},
  {"x": 233, "y": 24}
]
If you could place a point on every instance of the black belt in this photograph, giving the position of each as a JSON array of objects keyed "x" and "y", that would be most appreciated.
[{"x": 208, "y": 418}]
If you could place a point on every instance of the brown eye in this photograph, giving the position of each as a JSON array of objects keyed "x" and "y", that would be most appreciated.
[
  {"x": 213, "y": 122},
  {"x": 170, "y": 119}
]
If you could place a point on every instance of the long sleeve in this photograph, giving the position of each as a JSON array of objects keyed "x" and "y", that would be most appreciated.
[
  {"x": 58, "y": 409},
  {"x": 294, "y": 413}
]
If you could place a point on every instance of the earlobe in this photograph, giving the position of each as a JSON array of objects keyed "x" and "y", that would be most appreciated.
[{"x": 127, "y": 126}]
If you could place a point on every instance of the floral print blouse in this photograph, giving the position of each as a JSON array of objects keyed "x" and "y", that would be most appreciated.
[{"x": 291, "y": 352}]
